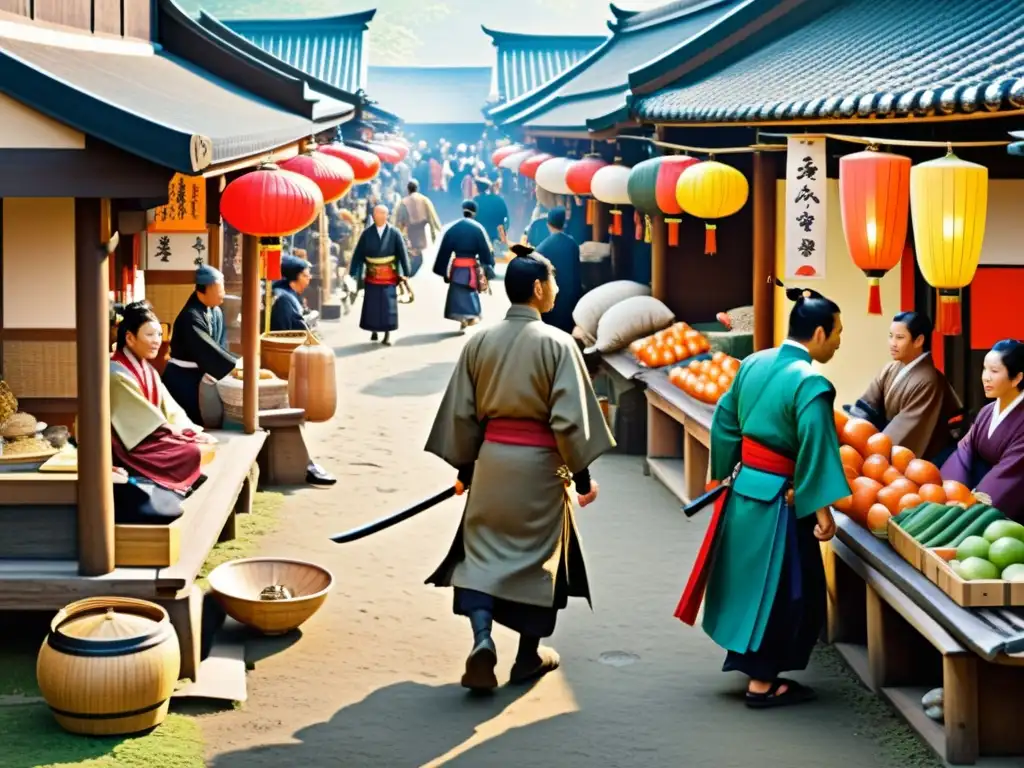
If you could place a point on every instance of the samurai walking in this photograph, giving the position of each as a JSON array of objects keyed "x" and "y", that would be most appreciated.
[
  {"x": 466, "y": 262},
  {"x": 381, "y": 252}
]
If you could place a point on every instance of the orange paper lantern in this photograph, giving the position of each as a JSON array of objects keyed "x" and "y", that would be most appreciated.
[{"x": 874, "y": 195}]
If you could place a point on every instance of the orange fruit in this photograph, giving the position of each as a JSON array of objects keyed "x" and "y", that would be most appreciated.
[
  {"x": 851, "y": 474},
  {"x": 875, "y": 467},
  {"x": 956, "y": 491},
  {"x": 841, "y": 418},
  {"x": 718, "y": 357},
  {"x": 865, "y": 493},
  {"x": 904, "y": 486},
  {"x": 844, "y": 505},
  {"x": 850, "y": 458},
  {"x": 878, "y": 518},
  {"x": 901, "y": 457},
  {"x": 923, "y": 473},
  {"x": 891, "y": 476},
  {"x": 881, "y": 444},
  {"x": 856, "y": 433},
  {"x": 909, "y": 501},
  {"x": 932, "y": 492},
  {"x": 889, "y": 498}
]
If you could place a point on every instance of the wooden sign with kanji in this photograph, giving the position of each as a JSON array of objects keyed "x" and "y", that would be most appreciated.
[{"x": 186, "y": 206}]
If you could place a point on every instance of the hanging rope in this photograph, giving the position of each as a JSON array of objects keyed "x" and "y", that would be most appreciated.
[
  {"x": 949, "y": 145},
  {"x": 712, "y": 151}
]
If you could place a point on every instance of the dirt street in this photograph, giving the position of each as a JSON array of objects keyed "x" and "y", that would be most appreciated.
[{"x": 373, "y": 679}]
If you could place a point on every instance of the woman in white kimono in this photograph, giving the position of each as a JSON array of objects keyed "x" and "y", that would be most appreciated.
[
  {"x": 910, "y": 399},
  {"x": 151, "y": 436}
]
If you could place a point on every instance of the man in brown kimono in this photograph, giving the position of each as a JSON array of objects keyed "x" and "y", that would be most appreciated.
[
  {"x": 910, "y": 400},
  {"x": 414, "y": 216},
  {"x": 520, "y": 422}
]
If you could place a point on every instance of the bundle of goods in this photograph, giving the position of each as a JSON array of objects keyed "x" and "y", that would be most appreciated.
[
  {"x": 22, "y": 442},
  {"x": 671, "y": 346},
  {"x": 273, "y": 393},
  {"x": 885, "y": 479},
  {"x": 706, "y": 380}
]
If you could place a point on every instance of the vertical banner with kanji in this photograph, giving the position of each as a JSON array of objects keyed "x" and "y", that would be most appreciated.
[
  {"x": 806, "y": 208},
  {"x": 186, "y": 206}
]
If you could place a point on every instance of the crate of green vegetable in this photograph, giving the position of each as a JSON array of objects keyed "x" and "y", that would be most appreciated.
[{"x": 983, "y": 570}]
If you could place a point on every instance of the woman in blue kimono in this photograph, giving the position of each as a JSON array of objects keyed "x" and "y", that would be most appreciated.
[
  {"x": 564, "y": 255},
  {"x": 287, "y": 314}
]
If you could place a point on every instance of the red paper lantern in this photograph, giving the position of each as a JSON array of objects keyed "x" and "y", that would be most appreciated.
[
  {"x": 503, "y": 152},
  {"x": 398, "y": 146},
  {"x": 270, "y": 202},
  {"x": 874, "y": 196},
  {"x": 578, "y": 179},
  {"x": 365, "y": 165},
  {"x": 334, "y": 177},
  {"x": 529, "y": 166},
  {"x": 385, "y": 153}
]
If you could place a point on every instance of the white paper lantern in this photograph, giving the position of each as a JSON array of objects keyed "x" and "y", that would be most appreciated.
[
  {"x": 512, "y": 162},
  {"x": 610, "y": 185},
  {"x": 551, "y": 175}
]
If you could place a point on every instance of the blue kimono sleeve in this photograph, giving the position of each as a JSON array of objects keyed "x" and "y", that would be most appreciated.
[
  {"x": 286, "y": 315},
  {"x": 819, "y": 479}
]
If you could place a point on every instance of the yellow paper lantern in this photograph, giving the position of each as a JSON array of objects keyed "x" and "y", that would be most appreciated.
[
  {"x": 948, "y": 205},
  {"x": 711, "y": 190}
]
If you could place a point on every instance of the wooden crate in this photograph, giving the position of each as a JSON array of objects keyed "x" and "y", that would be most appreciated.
[
  {"x": 994, "y": 593},
  {"x": 906, "y": 546},
  {"x": 154, "y": 546}
]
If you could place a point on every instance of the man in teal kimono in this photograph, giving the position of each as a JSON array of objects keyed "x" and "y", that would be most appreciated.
[{"x": 774, "y": 444}]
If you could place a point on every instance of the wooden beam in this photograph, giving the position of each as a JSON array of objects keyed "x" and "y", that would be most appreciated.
[
  {"x": 95, "y": 490},
  {"x": 659, "y": 257},
  {"x": 250, "y": 332},
  {"x": 215, "y": 227},
  {"x": 324, "y": 241},
  {"x": 764, "y": 250},
  {"x": 602, "y": 220}
]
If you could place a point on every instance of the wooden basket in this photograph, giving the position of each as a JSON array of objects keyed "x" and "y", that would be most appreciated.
[
  {"x": 109, "y": 666},
  {"x": 273, "y": 395},
  {"x": 905, "y": 545},
  {"x": 984, "y": 593},
  {"x": 237, "y": 586},
  {"x": 276, "y": 349}
]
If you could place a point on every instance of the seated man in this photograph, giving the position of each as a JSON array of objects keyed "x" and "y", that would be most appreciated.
[{"x": 152, "y": 436}]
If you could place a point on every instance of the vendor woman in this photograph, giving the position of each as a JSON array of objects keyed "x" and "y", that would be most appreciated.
[
  {"x": 910, "y": 399},
  {"x": 990, "y": 458},
  {"x": 152, "y": 435}
]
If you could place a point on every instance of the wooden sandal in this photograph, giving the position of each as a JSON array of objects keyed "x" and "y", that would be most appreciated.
[{"x": 795, "y": 694}]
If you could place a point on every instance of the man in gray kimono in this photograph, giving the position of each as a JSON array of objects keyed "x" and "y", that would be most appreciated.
[{"x": 520, "y": 422}]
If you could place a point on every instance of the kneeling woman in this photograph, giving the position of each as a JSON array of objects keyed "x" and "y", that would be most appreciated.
[
  {"x": 151, "y": 434},
  {"x": 990, "y": 458}
]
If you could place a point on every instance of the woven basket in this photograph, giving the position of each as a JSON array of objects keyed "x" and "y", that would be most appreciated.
[
  {"x": 276, "y": 349},
  {"x": 273, "y": 394}
]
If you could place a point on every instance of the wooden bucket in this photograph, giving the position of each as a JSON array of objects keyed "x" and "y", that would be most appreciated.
[
  {"x": 109, "y": 666},
  {"x": 276, "y": 349}
]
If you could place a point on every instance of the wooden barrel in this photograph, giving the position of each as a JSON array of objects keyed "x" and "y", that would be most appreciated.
[
  {"x": 311, "y": 381},
  {"x": 276, "y": 349},
  {"x": 109, "y": 666}
]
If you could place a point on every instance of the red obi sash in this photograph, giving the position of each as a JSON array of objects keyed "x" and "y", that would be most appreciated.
[
  {"x": 144, "y": 373},
  {"x": 535, "y": 434},
  {"x": 755, "y": 456},
  {"x": 382, "y": 274},
  {"x": 467, "y": 262}
]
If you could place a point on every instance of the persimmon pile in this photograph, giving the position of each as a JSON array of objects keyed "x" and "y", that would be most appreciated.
[
  {"x": 673, "y": 345},
  {"x": 886, "y": 479},
  {"x": 706, "y": 380}
]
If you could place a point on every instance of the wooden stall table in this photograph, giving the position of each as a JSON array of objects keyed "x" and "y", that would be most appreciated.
[
  {"x": 627, "y": 414},
  {"x": 678, "y": 436},
  {"x": 903, "y": 636}
]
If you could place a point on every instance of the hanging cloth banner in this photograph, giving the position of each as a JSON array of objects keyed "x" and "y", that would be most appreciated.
[{"x": 806, "y": 208}]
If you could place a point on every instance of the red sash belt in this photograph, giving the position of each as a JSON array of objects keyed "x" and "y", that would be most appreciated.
[
  {"x": 467, "y": 262},
  {"x": 535, "y": 434},
  {"x": 381, "y": 274},
  {"x": 755, "y": 456}
]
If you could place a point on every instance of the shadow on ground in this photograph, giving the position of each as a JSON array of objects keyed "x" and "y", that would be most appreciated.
[{"x": 423, "y": 382}]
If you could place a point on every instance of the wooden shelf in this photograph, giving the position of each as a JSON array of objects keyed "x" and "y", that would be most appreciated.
[
  {"x": 670, "y": 473},
  {"x": 856, "y": 657},
  {"x": 907, "y": 701}
]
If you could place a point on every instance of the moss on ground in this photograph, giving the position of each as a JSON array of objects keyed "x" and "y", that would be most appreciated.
[
  {"x": 29, "y": 736},
  {"x": 897, "y": 743}
]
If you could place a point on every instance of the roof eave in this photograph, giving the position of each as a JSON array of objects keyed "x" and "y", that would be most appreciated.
[{"x": 357, "y": 19}]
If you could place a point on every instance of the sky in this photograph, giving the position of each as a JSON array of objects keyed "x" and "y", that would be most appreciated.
[{"x": 437, "y": 32}]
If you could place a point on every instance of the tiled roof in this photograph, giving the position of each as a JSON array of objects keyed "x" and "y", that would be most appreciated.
[
  {"x": 604, "y": 73},
  {"x": 329, "y": 48},
  {"x": 187, "y": 104},
  {"x": 525, "y": 62},
  {"x": 432, "y": 95},
  {"x": 857, "y": 59}
]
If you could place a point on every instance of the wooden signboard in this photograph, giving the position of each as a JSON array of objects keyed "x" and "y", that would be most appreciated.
[
  {"x": 176, "y": 251},
  {"x": 186, "y": 206}
]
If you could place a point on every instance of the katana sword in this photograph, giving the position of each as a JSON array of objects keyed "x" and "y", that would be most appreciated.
[{"x": 386, "y": 522}]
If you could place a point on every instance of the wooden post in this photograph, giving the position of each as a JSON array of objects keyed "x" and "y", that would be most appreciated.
[
  {"x": 325, "y": 261},
  {"x": 659, "y": 257},
  {"x": 764, "y": 251},
  {"x": 250, "y": 332},
  {"x": 92, "y": 316},
  {"x": 214, "y": 186}
]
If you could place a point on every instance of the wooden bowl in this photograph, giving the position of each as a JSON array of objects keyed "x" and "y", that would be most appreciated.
[{"x": 237, "y": 586}]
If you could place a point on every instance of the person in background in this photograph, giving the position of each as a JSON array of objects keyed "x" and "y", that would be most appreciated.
[
  {"x": 492, "y": 213},
  {"x": 564, "y": 255},
  {"x": 910, "y": 399},
  {"x": 198, "y": 343},
  {"x": 773, "y": 442},
  {"x": 465, "y": 261},
  {"x": 538, "y": 230},
  {"x": 151, "y": 435},
  {"x": 287, "y": 314},
  {"x": 519, "y": 422},
  {"x": 381, "y": 253},
  {"x": 415, "y": 216},
  {"x": 990, "y": 458}
]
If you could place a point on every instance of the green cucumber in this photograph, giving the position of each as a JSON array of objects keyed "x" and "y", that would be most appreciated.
[
  {"x": 937, "y": 531},
  {"x": 978, "y": 526},
  {"x": 959, "y": 524},
  {"x": 904, "y": 518},
  {"x": 928, "y": 516}
]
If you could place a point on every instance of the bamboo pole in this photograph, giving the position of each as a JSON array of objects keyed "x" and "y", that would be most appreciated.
[
  {"x": 764, "y": 250},
  {"x": 250, "y": 332},
  {"x": 95, "y": 511}
]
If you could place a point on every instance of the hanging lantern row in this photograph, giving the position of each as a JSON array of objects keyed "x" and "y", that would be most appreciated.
[
  {"x": 874, "y": 196},
  {"x": 579, "y": 179},
  {"x": 610, "y": 185},
  {"x": 711, "y": 190},
  {"x": 551, "y": 175},
  {"x": 365, "y": 165},
  {"x": 530, "y": 165},
  {"x": 652, "y": 189},
  {"x": 332, "y": 175},
  {"x": 502, "y": 152}
]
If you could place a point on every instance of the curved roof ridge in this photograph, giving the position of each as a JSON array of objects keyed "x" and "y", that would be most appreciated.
[
  {"x": 340, "y": 20},
  {"x": 501, "y": 36},
  {"x": 662, "y": 14}
]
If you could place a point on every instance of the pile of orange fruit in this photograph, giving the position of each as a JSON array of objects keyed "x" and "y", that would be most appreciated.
[
  {"x": 673, "y": 345},
  {"x": 886, "y": 479},
  {"x": 706, "y": 380}
]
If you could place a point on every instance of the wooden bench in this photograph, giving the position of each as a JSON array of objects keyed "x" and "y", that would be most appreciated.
[
  {"x": 35, "y": 575},
  {"x": 678, "y": 436},
  {"x": 902, "y": 636}
]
